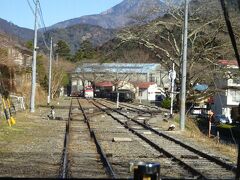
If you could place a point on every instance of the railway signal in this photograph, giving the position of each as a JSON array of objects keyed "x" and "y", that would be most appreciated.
[{"x": 172, "y": 77}]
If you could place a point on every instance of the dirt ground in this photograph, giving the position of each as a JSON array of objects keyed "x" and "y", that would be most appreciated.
[
  {"x": 195, "y": 138},
  {"x": 33, "y": 146}
]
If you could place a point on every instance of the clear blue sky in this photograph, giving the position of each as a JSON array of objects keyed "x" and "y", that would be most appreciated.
[{"x": 54, "y": 11}]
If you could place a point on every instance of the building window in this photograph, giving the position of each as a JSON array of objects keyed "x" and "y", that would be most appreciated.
[
  {"x": 236, "y": 81},
  {"x": 152, "y": 78},
  {"x": 140, "y": 93},
  {"x": 235, "y": 95}
]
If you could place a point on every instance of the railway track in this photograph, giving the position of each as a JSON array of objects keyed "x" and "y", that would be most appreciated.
[
  {"x": 83, "y": 156},
  {"x": 130, "y": 149},
  {"x": 145, "y": 106},
  {"x": 135, "y": 108},
  {"x": 198, "y": 164}
]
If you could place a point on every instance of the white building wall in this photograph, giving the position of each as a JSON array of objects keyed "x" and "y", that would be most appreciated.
[
  {"x": 144, "y": 93},
  {"x": 233, "y": 97},
  {"x": 228, "y": 97},
  {"x": 152, "y": 92}
]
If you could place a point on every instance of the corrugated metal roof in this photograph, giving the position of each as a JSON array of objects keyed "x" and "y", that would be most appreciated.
[{"x": 117, "y": 67}]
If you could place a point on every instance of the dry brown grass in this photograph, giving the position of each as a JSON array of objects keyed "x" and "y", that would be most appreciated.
[
  {"x": 40, "y": 98},
  {"x": 193, "y": 132}
]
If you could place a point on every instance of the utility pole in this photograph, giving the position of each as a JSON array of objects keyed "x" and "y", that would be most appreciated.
[
  {"x": 184, "y": 67},
  {"x": 173, "y": 77},
  {"x": 50, "y": 74},
  {"x": 33, "y": 92}
]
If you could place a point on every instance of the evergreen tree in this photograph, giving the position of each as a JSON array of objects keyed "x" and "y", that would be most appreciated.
[
  {"x": 86, "y": 51},
  {"x": 63, "y": 50},
  {"x": 29, "y": 44}
]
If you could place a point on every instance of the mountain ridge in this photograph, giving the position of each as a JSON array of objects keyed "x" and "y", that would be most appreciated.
[
  {"x": 105, "y": 24},
  {"x": 76, "y": 34},
  {"x": 16, "y": 31},
  {"x": 118, "y": 16}
]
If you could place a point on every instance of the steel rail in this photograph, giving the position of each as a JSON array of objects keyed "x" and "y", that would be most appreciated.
[
  {"x": 153, "y": 107},
  {"x": 64, "y": 168},
  {"x": 104, "y": 159},
  {"x": 141, "y": 110},
  {"x": 211, "y": 158},
  {"x": 145, "y": 111},
  {"x": 159, "y": 149}
]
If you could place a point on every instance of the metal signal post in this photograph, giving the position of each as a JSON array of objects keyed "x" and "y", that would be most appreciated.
[{"x": 172, "y": 77}]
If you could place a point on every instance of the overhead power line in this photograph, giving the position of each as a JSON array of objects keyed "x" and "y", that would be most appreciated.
[
  {"x": 41, "y": 23},
  {"x": 29, "y": 4},
  {"x": 43, "y": 26},
  {"x": 41, "y": 16}
]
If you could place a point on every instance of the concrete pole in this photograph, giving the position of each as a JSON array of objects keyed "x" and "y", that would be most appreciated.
[
  {"x": 33, "y": 91},
  {"x": 50, "y": 75},
  {"x": 184, "y": 67},
  {"x": 172, "y": 89}
]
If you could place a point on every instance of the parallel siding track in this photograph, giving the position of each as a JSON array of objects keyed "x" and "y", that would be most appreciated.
[{"x": 200, "y": 164}]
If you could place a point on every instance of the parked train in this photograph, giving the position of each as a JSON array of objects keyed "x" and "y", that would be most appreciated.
[
  {"x": 124, "y": 95},
  {"x": 88, "y": 92}
]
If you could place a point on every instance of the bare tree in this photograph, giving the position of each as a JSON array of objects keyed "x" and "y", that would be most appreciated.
[
  {"x": 163, "y": 37},
  {"x": 136, "y": 56},
  {"x": 59, "y": 72}
]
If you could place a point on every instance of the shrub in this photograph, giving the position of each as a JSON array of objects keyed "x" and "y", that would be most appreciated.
[{"x": 166, "y": 103}]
